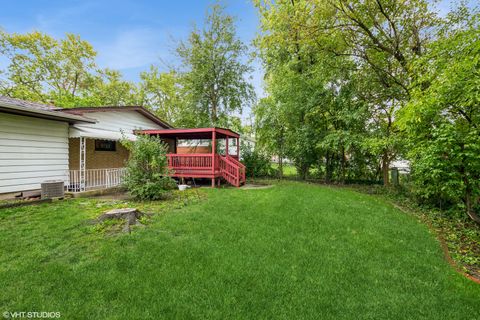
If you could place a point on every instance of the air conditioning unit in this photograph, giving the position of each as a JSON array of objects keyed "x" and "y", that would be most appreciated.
[{"x": 52, "y": 189}]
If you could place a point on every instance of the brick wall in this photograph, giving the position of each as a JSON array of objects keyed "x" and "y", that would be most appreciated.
[{"x": 96, "y": 159}]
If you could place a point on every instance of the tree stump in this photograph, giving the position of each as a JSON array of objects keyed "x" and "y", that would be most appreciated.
[{"x": 131, "y": 215}]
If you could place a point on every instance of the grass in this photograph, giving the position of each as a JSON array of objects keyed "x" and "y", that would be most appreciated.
[
  {"x": 460, "y": 233},
  {"x": 289, "y": 170},
  {"x": 291, "y": 251}
]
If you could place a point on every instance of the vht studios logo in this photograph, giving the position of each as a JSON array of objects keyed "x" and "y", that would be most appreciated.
[{"x": 31, "y": 314}]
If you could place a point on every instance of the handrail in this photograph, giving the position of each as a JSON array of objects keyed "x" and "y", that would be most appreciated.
[
  {"x": 95, "y": 179},
  {"x": 190, "y": 161},
  {"x": 232, "y": 170},
  {"x": 229, "y": 171},
  {"x": 242, "y": 168}
]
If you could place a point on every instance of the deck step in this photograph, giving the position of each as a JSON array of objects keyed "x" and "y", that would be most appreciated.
[{"x": 233, "y": 171}]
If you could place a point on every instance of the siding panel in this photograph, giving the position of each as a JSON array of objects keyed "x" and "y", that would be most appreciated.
[
  {"x": 118, "y": 121},
  {"x": 31, "y": 151}
]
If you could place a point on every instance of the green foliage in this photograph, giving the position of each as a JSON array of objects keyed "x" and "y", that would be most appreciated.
[
  {"x": 163, "y": 93},
  {"x": 352, "y": 85},
  {"x": 257, "y": 164},
  {"x": 62, "y": 72},
  {"x": 147, "y": 168},
  {"x": 207, "y": 89},
  {"x": 215, "y": 77},
  {"x": 442, "y": 120}
]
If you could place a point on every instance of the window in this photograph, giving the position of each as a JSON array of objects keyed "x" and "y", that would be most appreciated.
[{"x": 105, "y": 145}]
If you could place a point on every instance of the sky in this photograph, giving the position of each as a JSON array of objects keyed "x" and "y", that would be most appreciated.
[
  {"x": 128, "y": 35},
  {"x": 131, "y": 35}
]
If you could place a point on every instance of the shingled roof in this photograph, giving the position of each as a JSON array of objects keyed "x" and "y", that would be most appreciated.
[
  {"x": 27, "y": 104},
  {"x": 38, "y": 110}
]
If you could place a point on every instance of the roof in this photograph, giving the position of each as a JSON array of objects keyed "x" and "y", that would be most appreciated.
[
  {"x": 38, "y": 110},
  {"x": 139, "y": 109},
  {"x": 194, "y": 133},
  {"x": 26, "y": 104},
  {"x": 95, "y": 133}
]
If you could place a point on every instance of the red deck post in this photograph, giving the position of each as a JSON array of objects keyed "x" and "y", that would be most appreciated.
[
  {"x": 213, "y": 156},
  {"x": 226, "y": 146},
  {"x": 238, "y": 149}
]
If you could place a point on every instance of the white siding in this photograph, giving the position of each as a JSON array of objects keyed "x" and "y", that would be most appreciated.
[
  {"x": 118, "y": 121},
  {"x": 31, "y": 151}
]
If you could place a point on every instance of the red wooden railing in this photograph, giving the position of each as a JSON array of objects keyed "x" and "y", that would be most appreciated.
[
  {"x": 196, "y": 161},
  {"x": 241, "y": 168},
  {"x": 232, "y": 170},
  {"x": 199, "y": 165}
]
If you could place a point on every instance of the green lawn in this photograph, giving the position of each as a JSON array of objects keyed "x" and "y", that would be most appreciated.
[
  {"x": 289, "y": 170},
  {"x": 294, "y": 251}
]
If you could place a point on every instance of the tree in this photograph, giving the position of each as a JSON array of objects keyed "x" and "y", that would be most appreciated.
[
  {"x": 385, "y": 37},
  {"x": 215, "y": 79},
  {"x": 310, "y": 89},
  {"x": 270, "y": 126},
  {"x": 163, "y": 93},
  {"x": 44, "y": 69},
  {"x": 61, "y": 72},
  {"x": 442, "y": 120},
  {"x": 356, "y": 55}
]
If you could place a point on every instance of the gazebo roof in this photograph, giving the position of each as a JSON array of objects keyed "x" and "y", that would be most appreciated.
[{"x": 195, "y": 133}]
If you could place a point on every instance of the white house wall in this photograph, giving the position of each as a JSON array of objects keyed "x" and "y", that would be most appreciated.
[
  {"x": 114, "y": 122},
  {"x": 32, "y": 150}
]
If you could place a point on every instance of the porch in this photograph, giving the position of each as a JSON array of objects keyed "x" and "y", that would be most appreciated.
[
  {"x": 220, "y": 162},
  {"x": 95, "y": 163}
]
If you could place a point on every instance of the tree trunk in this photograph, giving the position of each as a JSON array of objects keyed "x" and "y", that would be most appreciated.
[
  {"x": 385, "y": 168},
  {"x": 303, "y": 172},
  {"x": 213, "y": 116},
  {"x": 328, "y": 168},
  {"x": 469, "y": 203},
  {"x": 280, "y": 166},
  {"x": 467, "y": 198}
]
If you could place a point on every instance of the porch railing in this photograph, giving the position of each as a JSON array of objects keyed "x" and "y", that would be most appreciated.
[
  {"x": 197, "y": 161},
  {"x": 95, "y": 179}
]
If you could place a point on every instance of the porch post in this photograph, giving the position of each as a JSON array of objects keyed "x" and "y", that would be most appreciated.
[
  {"x": 82, "y": 164},
  {"x": 226, "y": 146},
  {"x": 238, "y": 149},
  {"x": 213, "y": 156}
]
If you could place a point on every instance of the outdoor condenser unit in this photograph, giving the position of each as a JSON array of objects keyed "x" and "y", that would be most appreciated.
[{"x": 52, "y": 189}]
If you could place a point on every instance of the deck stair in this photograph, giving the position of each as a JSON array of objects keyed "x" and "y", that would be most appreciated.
[{"x": 232, "y": 170}]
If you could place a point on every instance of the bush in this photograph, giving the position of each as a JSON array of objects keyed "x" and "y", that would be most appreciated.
[
  {"x": 256, "y": 164},
  {"x": 147, "y": 168}
]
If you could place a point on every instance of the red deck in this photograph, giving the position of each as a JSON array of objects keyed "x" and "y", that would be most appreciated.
[
  {"x": 212, "y": 165},
  {"x": 207, "y": 166}
]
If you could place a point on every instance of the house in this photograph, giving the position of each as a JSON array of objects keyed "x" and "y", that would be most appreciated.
[
  {"x": 96, "y": 156},
  {"x": 81, "y": 146},
  {"x": 33, "y": 144}
]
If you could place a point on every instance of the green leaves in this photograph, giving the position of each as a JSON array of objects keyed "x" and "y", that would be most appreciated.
[
  {"x": 214, "y": 79},
  {"x": 147, "y": 168},
  {"x": 442, "y": 119},
  {"x": 62, "y": 72}
]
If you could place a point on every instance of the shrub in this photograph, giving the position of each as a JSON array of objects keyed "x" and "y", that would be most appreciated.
[
  {"x": 257, "y": 164},
  {"x": 147, "y": 168}
]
